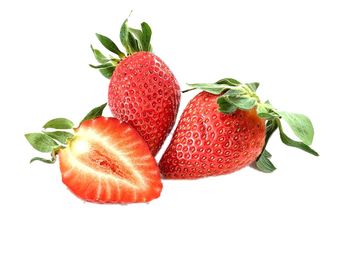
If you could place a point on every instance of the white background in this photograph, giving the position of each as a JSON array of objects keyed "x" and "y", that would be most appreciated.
[{"x": 297, "y": 50}]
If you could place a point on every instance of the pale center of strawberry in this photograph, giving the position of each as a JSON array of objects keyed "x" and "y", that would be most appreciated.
[{"x": 80, "y": 146}]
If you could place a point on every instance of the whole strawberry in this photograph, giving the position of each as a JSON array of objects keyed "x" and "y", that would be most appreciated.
[
  {"x": 142, "y": 90},
  {"x": 225, "y": 128}
]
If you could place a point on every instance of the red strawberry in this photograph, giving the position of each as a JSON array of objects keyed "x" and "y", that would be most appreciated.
[
  {"x": 105, "y": 161},
  {"x": 142, "y": 90},
  {"x": 208, "y": 142},
  {"x": 223, "y": 130},
  {"x": 108, "y": 162}
]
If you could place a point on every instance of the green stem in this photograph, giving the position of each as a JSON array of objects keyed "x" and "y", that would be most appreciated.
[{"x": 187, "y": 90}]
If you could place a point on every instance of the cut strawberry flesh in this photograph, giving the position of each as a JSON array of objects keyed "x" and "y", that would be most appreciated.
[{"x": 108, "y": 162}]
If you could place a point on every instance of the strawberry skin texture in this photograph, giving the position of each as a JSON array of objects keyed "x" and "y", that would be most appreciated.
[
  {"x": 108, "y": 162},
  {"x": 144, "y": 92},
  {"x": 207, "y": 142}
]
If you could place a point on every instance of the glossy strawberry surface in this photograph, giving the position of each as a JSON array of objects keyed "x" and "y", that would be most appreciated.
[
  {"x": 207, "y": 142},
  {"x": 144, "y": 92}
]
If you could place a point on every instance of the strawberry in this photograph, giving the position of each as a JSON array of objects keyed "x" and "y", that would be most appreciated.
[
  {"x": 104, "y": 161},
  {"x": 225, "y": 128},
  {"x": 142, "y": 90},
  {"x": 207, "y": 142}
]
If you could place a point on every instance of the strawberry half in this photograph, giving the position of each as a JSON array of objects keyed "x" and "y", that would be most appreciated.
[
  {"x": 142, "y": 90},
  {"x": 108, "y": 162},
  {"x": 225, "y": 128},
  {"x": 104, "y": 161}
]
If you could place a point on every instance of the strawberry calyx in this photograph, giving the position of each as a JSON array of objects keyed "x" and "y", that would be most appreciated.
[
  {"x": 57, "y": 134},
  {"x": 134, "y": 40},
  {"x": 233, "y": 95}
]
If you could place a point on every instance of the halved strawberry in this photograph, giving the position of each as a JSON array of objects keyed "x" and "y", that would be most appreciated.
[
  {"x": 102, "y": 161},
  {"x": 108, "y": 162}
]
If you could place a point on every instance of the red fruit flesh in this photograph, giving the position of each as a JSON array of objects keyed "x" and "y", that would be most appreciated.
[
  {"x": 144, "y": 92},
  {"x": 207, "y": 142},
  {"x": 108, "y": 162}
]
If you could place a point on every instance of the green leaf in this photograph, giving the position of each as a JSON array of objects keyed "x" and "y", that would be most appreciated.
[
  {"x": 288, "y": 141},
  {"x": 237, "y": 91},
  {"x": 264, "y": 111},
  {"x": 133, "y": 43},
  {"x": 137, "y": 33},
  {"x": 124, "y": 36},
  {"x": 267, "y": 154},
  {"x": 271, "y": 127},
  {"x": 102, "y": 66},
  {"x": 228, "y": 81},
  {"x": 99, "y": 56},
  {"x": 260, "y": 109},
  {"x": 41, "y": 142},
  {"x": 264, "y": 164},
  {"x": 53, "y": 160},
  {"x": 301, "y": 126},
  {"x": 266, "y": 116},
  {"x": 94, "y": 113},
  {"x": 59, "y": 123},
  {"x": 107, "y": 72},
  {"x": 212, "y": 88},
  {"x": 225, "y": 106},
  {"x": 146, "y": 37},
  {"x": 110, "y": 45},
  {"x": 253, "y": 86},
  {"x": 241, "y": 97},
  {"x": 60, "y": 136},
  {"x": 131, "y": 36},
  {"x": 244, "y": 103},
  {"x": 235, "y": 97}
]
